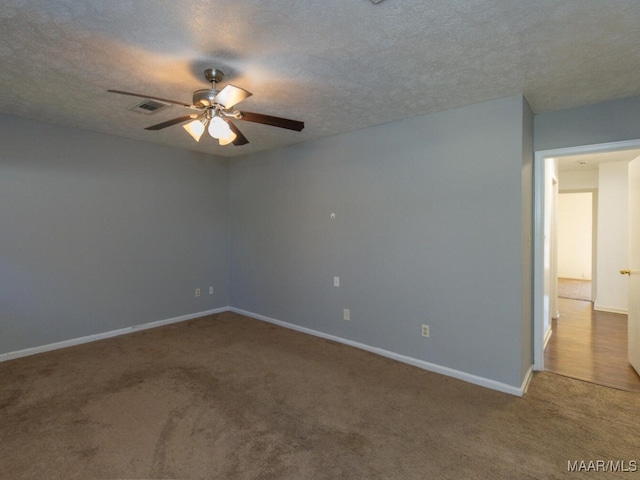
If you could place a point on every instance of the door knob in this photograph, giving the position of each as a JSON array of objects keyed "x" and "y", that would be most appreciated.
[{"x": 625, "y": 271}]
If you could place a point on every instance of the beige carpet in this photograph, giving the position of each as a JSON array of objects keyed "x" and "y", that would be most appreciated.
[{"x": 227, "y": 397}]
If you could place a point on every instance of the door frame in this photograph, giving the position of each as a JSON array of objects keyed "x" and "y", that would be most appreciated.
[
  {"x": 633, "y": 325},
  {"x": 538, "y": 231}
]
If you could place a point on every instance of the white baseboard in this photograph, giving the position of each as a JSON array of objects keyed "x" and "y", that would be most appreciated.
[
  {"x": 101, "y": 336},
  {"x": 604, "y": 308},
  {"x": 432, "y": 367},
  {"x": 527, "y": 380}
]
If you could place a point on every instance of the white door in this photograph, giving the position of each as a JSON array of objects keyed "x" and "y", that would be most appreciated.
[{"x": 634, "y": 264}]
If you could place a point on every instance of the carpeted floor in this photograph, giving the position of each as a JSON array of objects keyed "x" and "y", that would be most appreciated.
[
  {"x": 574, "y": 289},
  {"x": 227, "y": 397}
]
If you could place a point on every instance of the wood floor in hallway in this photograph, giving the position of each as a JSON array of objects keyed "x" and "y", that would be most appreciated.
[{"x": 591, "y": 346}]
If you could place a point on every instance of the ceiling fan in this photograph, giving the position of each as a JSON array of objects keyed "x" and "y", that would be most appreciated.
[{"x": 214, "y": 110}]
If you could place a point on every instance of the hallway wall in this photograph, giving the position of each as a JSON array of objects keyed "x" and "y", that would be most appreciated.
[{"x": 575, "y": 226}]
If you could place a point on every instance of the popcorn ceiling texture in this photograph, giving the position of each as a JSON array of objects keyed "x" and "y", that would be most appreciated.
[{"x": 338, "y": 66}]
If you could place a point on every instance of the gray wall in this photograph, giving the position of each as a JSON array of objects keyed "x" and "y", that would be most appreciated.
[
  {"x": 99, "y": 233},
  {"x": 605, "y": 122},
  {"x": 428, "y": 229},
  {"x": 432, "y": 221}
]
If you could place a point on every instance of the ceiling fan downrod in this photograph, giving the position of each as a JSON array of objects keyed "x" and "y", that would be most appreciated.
[{"x": 205, "y": 98}]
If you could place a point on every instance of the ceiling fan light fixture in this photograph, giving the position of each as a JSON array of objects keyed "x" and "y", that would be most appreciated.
[
  {"x": 219, "y": 129},
  {"x": 195, "y": 129}
]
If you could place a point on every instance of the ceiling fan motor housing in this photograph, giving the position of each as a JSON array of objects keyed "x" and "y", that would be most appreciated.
[{"x": 204, "y": 98}]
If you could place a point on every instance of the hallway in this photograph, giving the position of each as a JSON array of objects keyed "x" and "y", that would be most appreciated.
[{"x": 590, "y": 345}]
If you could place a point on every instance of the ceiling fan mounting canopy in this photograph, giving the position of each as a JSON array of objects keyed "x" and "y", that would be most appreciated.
[
  {"x": 211, "y": 103},
  {"x": 213, "y": 75}
]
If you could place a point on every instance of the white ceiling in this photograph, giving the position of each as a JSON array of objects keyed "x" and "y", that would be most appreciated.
[
  {"x": 337, "y": 65},
  {"x": 591, "y": 161}
]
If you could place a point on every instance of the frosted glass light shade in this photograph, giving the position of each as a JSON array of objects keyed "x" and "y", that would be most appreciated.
[
  {"x": 218, "y": 128},
  {"x": 195, "y": 129},
  {"x": 228, "y": 139}
]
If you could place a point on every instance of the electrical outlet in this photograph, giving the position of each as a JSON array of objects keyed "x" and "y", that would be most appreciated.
[
  {"x": 210, "y": 290},
  {"x": 197, "y": 292},
  {"x": 425, "y": 330},
  {"x": 336, "y": 281},
  {"x": 346, "y": 314}
]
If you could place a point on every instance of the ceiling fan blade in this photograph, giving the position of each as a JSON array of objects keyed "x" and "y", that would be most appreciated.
[
  {"x": 240, "y": 138},
  {"x": 273, "y": 121},
  {"x": 167, "y": 100},
  {"x": 230, "y": 96},
  {"x": 173, "y": 121}
]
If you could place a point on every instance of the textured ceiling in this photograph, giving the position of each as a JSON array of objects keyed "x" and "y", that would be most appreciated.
[{"x": 337, "y": 65}]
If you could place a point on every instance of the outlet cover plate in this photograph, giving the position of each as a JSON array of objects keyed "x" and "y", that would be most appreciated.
[{"x": 425, "y": 330}]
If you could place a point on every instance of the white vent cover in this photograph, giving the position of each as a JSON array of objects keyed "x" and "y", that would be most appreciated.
[{"x": 149, "y": 106}]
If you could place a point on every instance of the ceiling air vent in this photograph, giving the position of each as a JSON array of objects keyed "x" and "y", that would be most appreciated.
[{"x": 149, "y": 106}]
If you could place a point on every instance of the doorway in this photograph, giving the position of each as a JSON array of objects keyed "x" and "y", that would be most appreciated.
[{"x": 547, "y": 306}]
